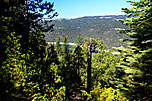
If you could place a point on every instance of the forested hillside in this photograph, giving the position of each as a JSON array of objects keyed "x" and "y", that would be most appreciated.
[{"x": 101, "y": 27}]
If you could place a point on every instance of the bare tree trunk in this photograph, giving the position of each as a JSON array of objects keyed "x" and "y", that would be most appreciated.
[{"x": 89, "y": 48}]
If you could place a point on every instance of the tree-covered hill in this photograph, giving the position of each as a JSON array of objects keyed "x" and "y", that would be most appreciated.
[{"x": 101, "y": 27}]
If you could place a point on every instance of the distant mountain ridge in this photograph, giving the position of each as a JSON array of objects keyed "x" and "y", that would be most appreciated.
[{"x": 101, "y": 27}]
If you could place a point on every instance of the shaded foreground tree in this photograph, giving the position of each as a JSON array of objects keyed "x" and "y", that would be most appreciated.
[
  {"x": 27, "y": 68},
  {"x": 135, "y": 67}
]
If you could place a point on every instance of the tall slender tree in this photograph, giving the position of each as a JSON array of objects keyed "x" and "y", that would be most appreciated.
[{"x": 89, "y": 53}]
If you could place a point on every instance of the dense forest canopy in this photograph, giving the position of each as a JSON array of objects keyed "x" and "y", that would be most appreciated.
[{"x": 31, "y": 69}]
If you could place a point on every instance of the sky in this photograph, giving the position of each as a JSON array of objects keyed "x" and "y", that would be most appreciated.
[{"x": 80, "y": 8}]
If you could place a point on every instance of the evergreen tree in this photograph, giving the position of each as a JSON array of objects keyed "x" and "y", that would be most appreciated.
[
  {"x": 135, "y": 69},
  {"x": 26, "y": 65},
  {"x": 58, "y": 47},
  {"x": 79, "y": 62},
  {"x": 79, "y": 40},
  {"x": 66, "y": 68}
]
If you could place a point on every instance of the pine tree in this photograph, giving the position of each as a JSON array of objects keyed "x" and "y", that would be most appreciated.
[
  {"x": 26, "y": 60},
  {"x": 79, "y": 40},
  {"x": 135, "y": 67},
  {"x": 58, "y": 47},
  {"x": 79, "y": 62}
]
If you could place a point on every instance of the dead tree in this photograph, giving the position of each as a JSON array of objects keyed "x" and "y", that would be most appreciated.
[{"x": 89, "y": 50}]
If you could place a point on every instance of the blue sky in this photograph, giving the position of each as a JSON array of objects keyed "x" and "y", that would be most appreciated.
[{"x": 80, "y": 8}]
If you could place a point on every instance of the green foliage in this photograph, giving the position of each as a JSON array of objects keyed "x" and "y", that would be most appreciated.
[
  {"x": 103, "y": 68},
  {"x": 28, "y": 82},
  {"x": 26, "y": 65},
  {"x": 71, "y": 64},
  {"x": 103, "y": 65},
  {"x": 135, "y": 64},
  {"x": 99, "y": 94},
  {"x": 30, "y": 69}
]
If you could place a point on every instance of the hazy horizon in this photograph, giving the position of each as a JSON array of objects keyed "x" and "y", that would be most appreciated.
[{"x": 91, "y": 16}]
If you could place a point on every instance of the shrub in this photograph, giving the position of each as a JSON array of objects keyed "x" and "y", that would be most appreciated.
[{"x": 99, "y": 94}]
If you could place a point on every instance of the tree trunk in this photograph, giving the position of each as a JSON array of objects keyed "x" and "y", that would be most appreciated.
[{"x": 89, "y": 48}]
